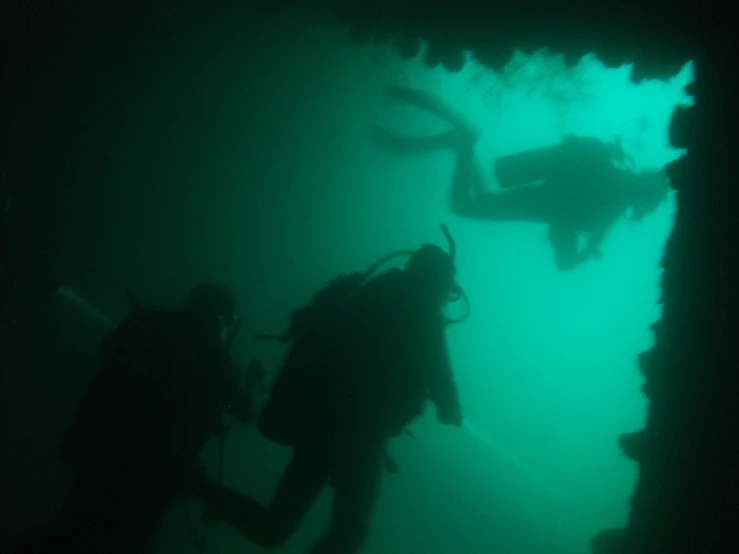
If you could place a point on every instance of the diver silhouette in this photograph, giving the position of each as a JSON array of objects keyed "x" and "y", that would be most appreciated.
[
  {"x": 364, "y": 359},
  {"x": 164, "y": 381},
  {"x": 576, "y": 187}
]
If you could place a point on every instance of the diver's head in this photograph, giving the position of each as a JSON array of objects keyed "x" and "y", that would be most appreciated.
[
  {"x": 214, "y": 305},
  {"x": 648, "y": 190},
  {"x": 433, "y": 272}
]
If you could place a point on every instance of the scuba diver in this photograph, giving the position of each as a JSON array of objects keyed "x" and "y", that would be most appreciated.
[
  {"x": 576, "y": 187},
  {"x": 365, "y": 356},
  {"x": 164, "y": 382}
]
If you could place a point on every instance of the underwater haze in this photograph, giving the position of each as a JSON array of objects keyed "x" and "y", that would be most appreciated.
[{"x": 245, "y": 156}]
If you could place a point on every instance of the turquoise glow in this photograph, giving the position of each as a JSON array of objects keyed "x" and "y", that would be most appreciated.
[{"x": 547, "y": 362}]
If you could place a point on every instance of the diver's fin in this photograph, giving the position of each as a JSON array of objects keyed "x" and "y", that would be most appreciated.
[
  {"x": 436, "y": 106},
  {"x": 403, "y": 144}
]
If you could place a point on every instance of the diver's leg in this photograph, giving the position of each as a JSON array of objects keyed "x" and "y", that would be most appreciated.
[
  {"x": 475, "y": 196},
  {"x": 469, "y": 175},
  {"x": 564, "y": 242},
  {"x": 436, "y": 106},
  {"x": 469, "y": 181},
  {"x": 269, "y": 526},
  {"x": 239, "y": 510},
  {"x": 532, "y": 202},
  {"x": 303, "y": 479},
  {"x": 357, "y": 477}
]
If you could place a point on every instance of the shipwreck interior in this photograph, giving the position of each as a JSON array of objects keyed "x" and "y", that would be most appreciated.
[{"x": 686, "y": 499}]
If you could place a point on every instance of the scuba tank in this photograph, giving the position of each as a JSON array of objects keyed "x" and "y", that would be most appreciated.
[
  {"x": 526, "y": 167},
  {"x": 299, "y": 405},
  {"x": 542, "y": 164}
]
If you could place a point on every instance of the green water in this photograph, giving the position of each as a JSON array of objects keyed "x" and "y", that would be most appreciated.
[{"x": 278, "y": 188}]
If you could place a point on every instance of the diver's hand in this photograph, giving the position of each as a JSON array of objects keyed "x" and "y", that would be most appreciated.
[
  {"x": 590, "y": 252},
  {"x": 450, "y": 416}
]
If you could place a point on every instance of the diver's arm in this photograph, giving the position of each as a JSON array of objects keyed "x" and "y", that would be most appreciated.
[
  {"x": 594, "y": 242},
  {"x": 442, "y": 388}
]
